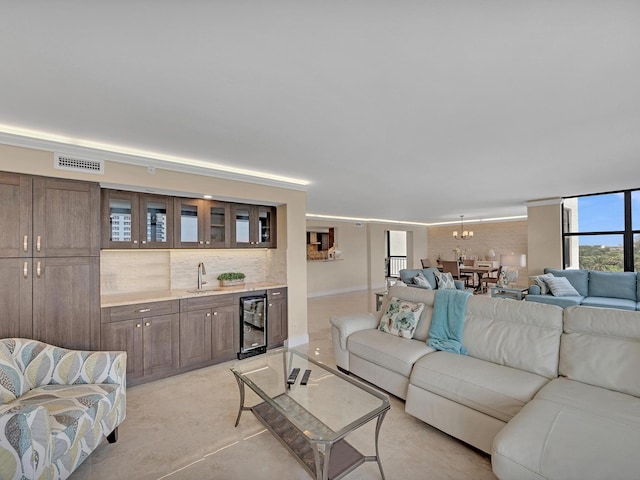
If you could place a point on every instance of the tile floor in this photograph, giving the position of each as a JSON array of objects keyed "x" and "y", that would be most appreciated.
[{"x": 182, "y": 428}]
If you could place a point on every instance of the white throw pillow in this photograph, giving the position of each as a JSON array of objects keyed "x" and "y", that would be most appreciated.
[
  {"x": 540, "y": 280},
  {"x": 561, "y": 287},
  {"x": 445, "y": 281},
  {"x": 420, "y": 280},
  {"x": 401, "y": 317}
]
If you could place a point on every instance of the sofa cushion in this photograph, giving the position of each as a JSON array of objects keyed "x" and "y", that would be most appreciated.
[
  {"x": 421, "y": 281},
  {"x": 613, "y": 284},
  {"x": 12, "y": 381},
  {"x": 522, "y": 335},
  {"x": 561, "y": 287},
  {"x": 406, "y": 275},
  {"x": 563, "y": 302},
  {"x": 601, "y": 347},
  {"x": 609, "y": 302},
  {"x": 73, "y": 410},
  {"x": 494, "y": 390},
  {"x": 571, "y": 431},
  {"x": 578, "y": 278},
  {"x": 401, "y": 317},
  {"x": 393, "y": 353}
]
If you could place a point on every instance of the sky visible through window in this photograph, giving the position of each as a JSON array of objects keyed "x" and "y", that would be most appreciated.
[{"x": 601, "y": 213}]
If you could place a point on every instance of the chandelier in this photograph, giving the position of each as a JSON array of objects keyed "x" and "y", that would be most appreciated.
[{"x": 465, "y": 235}]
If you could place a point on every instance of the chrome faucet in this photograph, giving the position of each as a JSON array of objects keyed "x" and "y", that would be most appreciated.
[{"x": 201, "y": 271}]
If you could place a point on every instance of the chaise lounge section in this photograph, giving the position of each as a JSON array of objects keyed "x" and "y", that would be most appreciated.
[{"x": 56, "y": 407}]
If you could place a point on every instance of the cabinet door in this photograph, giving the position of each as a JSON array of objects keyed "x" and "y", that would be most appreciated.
[
  {"x": 195, "y": 337},
  {"x": 225, "y": 333},
  {"x": 217, "y": 223},
  {"x": 265, "y": 225},
  {"x": 276, "y": 323},
  {"x": 253, "y": 226},
  {"x": 242, "y": 231},
  {"x": 125, "y": 336},
  {"x": 156, "y": 221},
  {"x": 66, "y": 218},
  {"x": 188, "y": 223},
  {"x": 66, "y": 301},
  {"x": 161, "y": 343},
  {"x": 15, "y": 297},
  {"x": 120, "y": 219},
  {"x": 15, "y": 215}
]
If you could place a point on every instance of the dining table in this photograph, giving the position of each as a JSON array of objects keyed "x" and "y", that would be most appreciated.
[{"x": 480, "y": 271}]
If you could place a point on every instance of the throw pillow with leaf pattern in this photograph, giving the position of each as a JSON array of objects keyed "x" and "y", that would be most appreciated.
[{"x": 401, "y": 317}]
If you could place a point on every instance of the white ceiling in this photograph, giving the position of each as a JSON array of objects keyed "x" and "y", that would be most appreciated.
[{"x": 404, "y": 110}]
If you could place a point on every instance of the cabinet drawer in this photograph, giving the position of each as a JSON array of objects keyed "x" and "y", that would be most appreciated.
[
  {"x": 277, "y": 293},
  {"x": 139, "y": 310},
  {"x": 207, "y": 301}
]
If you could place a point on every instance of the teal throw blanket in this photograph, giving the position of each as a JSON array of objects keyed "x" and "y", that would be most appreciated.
[{"x": 447, "y": 323}]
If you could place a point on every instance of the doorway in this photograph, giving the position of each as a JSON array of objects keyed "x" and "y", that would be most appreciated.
[{"x": 396, "y": 252}]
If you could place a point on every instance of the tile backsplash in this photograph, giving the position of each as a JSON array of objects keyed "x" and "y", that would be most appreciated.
[{"x": 124, "y": 271}]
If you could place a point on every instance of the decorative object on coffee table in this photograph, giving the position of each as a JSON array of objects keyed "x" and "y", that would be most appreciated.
[{"x": 230, "y": 279}]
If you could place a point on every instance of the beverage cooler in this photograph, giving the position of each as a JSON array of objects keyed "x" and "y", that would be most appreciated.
[{"x": 253, "y": 325}]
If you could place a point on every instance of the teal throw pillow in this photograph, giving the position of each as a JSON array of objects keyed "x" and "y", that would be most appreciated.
[{"x": 401, "y": 317}]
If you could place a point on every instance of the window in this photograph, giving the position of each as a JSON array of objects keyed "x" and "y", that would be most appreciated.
[{"x": 602, "y": 231}]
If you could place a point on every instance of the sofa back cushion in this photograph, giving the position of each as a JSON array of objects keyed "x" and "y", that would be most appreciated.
[
  {"x": 612, "y": 284},
  {"x": 522, "y": 335},
  {"x": 578, "y": 278},
  {"x": 12, "y": 380},
  {"x": 406, "y": 275},
  {"x": 601, "y": 347},
  {"x": 416, "y": 295}
]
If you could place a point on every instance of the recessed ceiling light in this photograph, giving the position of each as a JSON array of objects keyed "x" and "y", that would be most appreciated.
[{"x": 208, "y": 197}]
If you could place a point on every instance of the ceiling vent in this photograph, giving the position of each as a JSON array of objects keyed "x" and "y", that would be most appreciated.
[{"x": 74, "y": 164}]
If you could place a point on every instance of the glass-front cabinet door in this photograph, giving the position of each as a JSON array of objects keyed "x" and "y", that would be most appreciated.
[
  {"x": 120, "y": 214},
  {"x": 253, "y": 226},
  {"x": 188, "y": 223},
  {"x": 217, "y": 224},
  {"x": 156, "y": 221}
]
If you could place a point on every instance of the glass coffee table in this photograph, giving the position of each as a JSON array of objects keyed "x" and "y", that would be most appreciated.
[{"x": 311, "y": 420}]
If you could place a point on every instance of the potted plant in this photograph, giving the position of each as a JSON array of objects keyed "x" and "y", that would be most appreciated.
[{"x": 231, "y": 278}]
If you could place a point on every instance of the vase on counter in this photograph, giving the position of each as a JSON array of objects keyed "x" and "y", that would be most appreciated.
[{"x": 231, "y": 283}]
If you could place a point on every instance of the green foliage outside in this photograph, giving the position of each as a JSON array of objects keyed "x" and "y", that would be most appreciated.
[{"x": 607, "y": 259}]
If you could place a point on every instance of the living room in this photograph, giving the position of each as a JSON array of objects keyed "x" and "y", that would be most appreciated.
[{"x": 358, "y": 117}]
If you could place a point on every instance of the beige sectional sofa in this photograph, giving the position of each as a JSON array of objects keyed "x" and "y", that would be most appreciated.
[{"x": 549, "y": 393}]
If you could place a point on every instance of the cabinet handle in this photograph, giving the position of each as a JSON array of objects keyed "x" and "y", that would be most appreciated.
[
  {"x": 208, "y": 315},
  {"x": 143, "y": 242},
  {"x": 271, "y": 304},
  {"x": 146, "y": 324},
  {"x": 138, "y": 325},
  {"x": 38, "y": 243},
  {"x": 207, "y": 243},
  {"x": 144, "y": 310},
  {"x": 275, "y": 293},
  {"x": 200, "y": 242},
  {"x": 135, "y": 242},
  {"x": 25, "y": 243},
  {"x": 25, "y": 270},
  {"x": 38, "y": 269},
  {"x": 215, "y": 313}
]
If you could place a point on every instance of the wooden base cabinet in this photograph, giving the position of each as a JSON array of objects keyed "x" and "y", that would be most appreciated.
[
  {"x": 149, "y": 333},
  {"x": 277, "y": 324},
  {"x": 225, "y": 333}
]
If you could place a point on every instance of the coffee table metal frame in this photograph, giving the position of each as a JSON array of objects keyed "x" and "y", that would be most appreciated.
[{"x": 273, "y": 416}]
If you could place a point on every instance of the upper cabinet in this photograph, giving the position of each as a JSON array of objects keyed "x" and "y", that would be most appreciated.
[
  {"x": 136, "y": 220},
  {"x": 253, "y": 226},
  {"x": 15, "y": 215},
  {"x": 201, "y": 223}
]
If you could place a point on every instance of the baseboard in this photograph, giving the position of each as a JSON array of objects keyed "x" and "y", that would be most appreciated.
[{"x": 293, "y": 342}]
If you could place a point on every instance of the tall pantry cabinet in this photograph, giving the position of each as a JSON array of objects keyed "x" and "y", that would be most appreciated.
[{"x": 50, "y": 260}]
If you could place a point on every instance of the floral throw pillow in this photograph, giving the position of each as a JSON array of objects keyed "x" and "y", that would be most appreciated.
[
  {"x": 401, "y": 317},
  {"x": 445, "y": 281}
]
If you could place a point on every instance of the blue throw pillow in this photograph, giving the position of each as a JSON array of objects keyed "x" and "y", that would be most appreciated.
[{"x": 561, "y": 287}]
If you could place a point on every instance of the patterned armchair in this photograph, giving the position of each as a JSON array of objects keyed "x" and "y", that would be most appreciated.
[{"x": 56, "y": 406}]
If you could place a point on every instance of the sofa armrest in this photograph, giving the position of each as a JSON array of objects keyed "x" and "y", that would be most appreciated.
[
  {"x": 25, "y": 446},
  {"x": 348, "y": 324},
  {"x": 534, "y": 290}
]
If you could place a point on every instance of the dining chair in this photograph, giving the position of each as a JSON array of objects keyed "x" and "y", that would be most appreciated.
[
  {"x": 452, "y": 267},
  {"x": 426, "y": 263},
  {"x": 489, "y": 280},
  {"x": 472, "y": 276}
]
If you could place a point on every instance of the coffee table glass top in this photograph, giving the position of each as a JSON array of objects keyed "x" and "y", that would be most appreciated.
[{"x": 328, "y": 407}]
